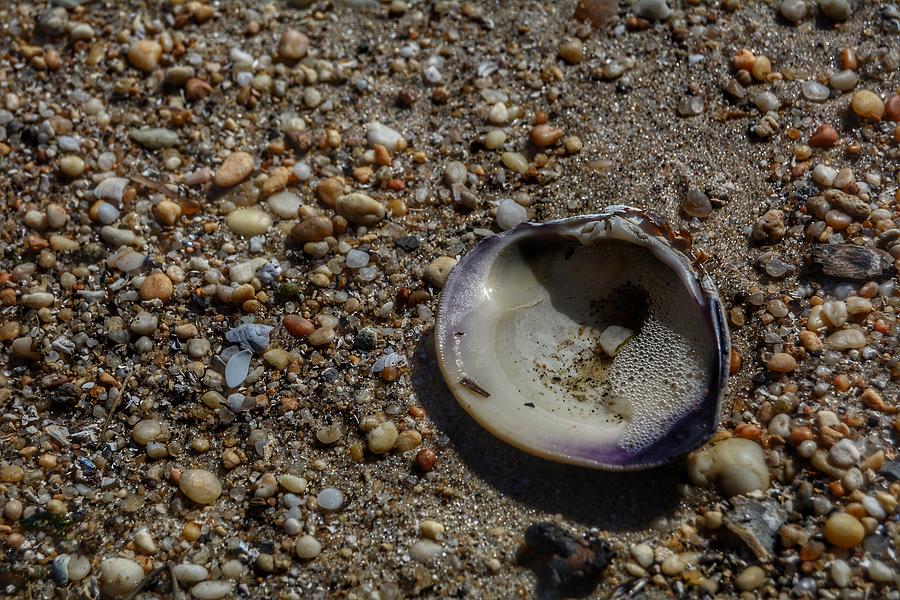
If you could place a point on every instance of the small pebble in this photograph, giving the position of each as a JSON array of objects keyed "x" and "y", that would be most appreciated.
[
  {"x": 509, "y": 214},
  {"x": 145, "y": 55},
  {"x": 843, "y": 530},
  {"x": 200, "y": 485},
  {"x": 438, "y": 270},
  {"x": 236, "y": 167},
  {"x": 750, "y": 578},
  {"x": 867, "y": 105},
  {"x": 119, "y": 576},
  {"x": 307, "y": 547}
]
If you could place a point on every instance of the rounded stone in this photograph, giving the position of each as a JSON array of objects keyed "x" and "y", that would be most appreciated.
[
  {"x": 234, "y": 169},
  {"x": 844, "y": 530},
  {"x": 293, "y": 45},
  {"x": 438, "y": 270},
  {"x": 867, "y": 105},
  {"x": 360, "y": 209},
  {"x": 307, "y": 547},
  {"x": 248, "y": 222},
  {"x": 200, "y": 485},
  {"x": 382, "y": 438},
  {"x": 750, "y": 578},
  {"x": 781, "y": 362},
  {"x": 119, "y": 576},
  {"x": 156, "y": 286},
  {"x": 145, "y": 55},
  {"x": 146, "y": 431}
]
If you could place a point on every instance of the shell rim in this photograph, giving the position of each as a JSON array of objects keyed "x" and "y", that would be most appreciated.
[{"x": 719, "y": 370}]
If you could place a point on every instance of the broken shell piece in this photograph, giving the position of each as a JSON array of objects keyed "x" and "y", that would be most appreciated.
[{"x": 589, "y": 340}]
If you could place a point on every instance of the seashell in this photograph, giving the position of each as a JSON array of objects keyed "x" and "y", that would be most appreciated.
[{"x": 591, "y": 340}]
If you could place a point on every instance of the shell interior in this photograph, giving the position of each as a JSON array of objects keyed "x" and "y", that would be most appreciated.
[{"x": 522, "y": 327}]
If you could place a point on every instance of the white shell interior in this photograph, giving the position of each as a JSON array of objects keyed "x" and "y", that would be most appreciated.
[{"x": 524, "y": 357}]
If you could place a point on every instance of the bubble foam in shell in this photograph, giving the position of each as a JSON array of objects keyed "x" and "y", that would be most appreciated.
[{"x": 517, "y": 341}]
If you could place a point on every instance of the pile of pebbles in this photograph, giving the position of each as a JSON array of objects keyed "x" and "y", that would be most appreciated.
[{"x": 225, "y": 232}]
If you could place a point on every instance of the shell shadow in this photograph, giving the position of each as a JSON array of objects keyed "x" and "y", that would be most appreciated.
[{"x": 624, "y": 501}]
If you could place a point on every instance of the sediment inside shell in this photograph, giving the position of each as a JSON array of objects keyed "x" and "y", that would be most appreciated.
[{"x": 522, "y": 331}]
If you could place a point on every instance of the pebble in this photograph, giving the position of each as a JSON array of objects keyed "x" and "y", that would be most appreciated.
[
  {"x": 71, "y": 165},
  {"x": 815, "y": 91},
  {"x": 572, "y": 51},
  {"x": 824, "y": 175},
  {"x": 293, "y": 45},
  {"x": 145, "y": 55},
  {"x": 212, "y": 590},
  {"x": 824, "y": 136},
  {"x": 378, "y": 133},
  {"x": 735, "y": 465},
  {"x": 515, "y": 161},
  {"x": 236, "y": 167},
  {"x": 844, "y": 454},
  {"x": 119, "y": 576},
  {"x": 836, "y": 10},
  {"x": 189, "y": 573},
  {"x": 438, "y": 270},
  {"x": 293, "y": 483},
  {"x": 146, "y": 431},
  {"x": 781, "y": 363},
  {"x": 544, "y": 136},
  {"x": 766, "y": 101},
  {"x": 498, "y": 114},
  {"x": 840, "y": 573},
  {"x": 655, "y": 10},
  {"x": 793, "y": 11},
  {"x": 843, "y": 530},
  {"x": 769, "y": 227},
  {"x": 425, "y": 551},
  {"x": 494, "y": 139},
  {"x": 696, "y": 204},
  {"x": 509, "y": 214},
  {"x": 200, "y": 485},
  {"x": 750, "y": 578},
  {"x": 879, "y": 572},
  {"x": 284, "y": 204},
  {"x": 330, "y": 499},
  {"x": 38, "y": 300},
  {"x": 867, "y": 105},
  {"x": 843, "y": 81},
  {"x": 307, "y": 547},
  {"x": 846, "y": 339},
  {"x": 382, "y": 438},
  {"x": 297, "y": 326},
  {"x": 312, "y": 229},
  {"x": 356, "y": 259},
  {"x": 155, "y": 138},
  {"x": 431, "y": 530},
  {"x": 672, "y": 565},
  {"x": 156, "y": 286},
  {"x": 642, "y": 554},
  {"x": 360, "y": 209},
  {"x": 249, "y": 222}
]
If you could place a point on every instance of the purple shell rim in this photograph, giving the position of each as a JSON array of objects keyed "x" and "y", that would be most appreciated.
[{"x": 686, "y": 434}]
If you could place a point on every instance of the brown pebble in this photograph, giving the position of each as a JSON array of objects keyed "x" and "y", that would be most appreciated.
[
  {"x": 544, "y": 135},
  {"x": 425, "y": 459},
  {"x": 312, "y": 229},
  {"x": 196, "y": 89},
  {"x": 156, "y": 286},
  {"x": 868, "y": 105},
  {"x": 892, "y": 108},
  {"x": 824, "y": 136},
  {"x": 329, "y": 189},
  {"x": 235, "y": 169},
  {"x": 145, "y": 55},
  {"x": 167, "y": 212},
  {"x": 696, "y": 204},
  {"x": 293, "y": 45},
  {"x": 810, "y": 341},
  {"x": 781, "y": 362},
  {"x": 297, "y": 326}
]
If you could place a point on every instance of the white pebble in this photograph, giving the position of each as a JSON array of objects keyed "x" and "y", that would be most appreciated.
[
  {"x": 119, "y": 576},
  {"x": 212, "y": 590},
  {"x": 307, "y": 547},
  {"x": 330, "y": 499},
  {"x": 424, "y": 551},
  {"x": 510, "y": 213}
]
